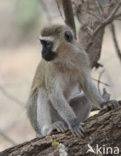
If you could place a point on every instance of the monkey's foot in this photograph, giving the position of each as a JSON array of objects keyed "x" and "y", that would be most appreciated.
[
  {"x": 38, "y": 135},
  {"x": 111, "y": 104},
  {"x": 60, "y": 126},
  {"x": 76, "y": 128}
]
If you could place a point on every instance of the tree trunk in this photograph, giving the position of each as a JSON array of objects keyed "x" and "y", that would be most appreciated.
[
  {"x": 103, "y": 131},
  {"x": 89, "y": 23}
]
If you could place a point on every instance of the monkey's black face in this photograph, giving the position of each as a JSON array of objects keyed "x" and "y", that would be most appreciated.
[{"x": 47, "y": 52}]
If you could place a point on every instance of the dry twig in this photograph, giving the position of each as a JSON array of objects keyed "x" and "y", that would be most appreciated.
[
  {"x": 59, "y": 9},
  {"x": 98, "y": 85},
  {"x": 105, "y": 84},
  {"x": 100, "y": 8},
  {"x": 11, "y": 97},
  {"x": 68, "y": 12},
  {"x": 7, "y": 138},
  {"x": 107, "y": 21},
  {"x": 118, "y": 51}
]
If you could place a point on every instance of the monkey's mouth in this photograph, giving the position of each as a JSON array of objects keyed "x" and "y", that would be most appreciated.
[{"x": 48, "y": 55}]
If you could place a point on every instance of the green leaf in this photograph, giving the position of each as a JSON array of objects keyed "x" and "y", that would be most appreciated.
[{"x": 55, "y": 143}]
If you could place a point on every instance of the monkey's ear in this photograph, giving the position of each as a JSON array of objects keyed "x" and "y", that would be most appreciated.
[{"x": 68, "y": 36}]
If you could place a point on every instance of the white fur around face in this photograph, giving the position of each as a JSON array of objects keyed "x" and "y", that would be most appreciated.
[
  {"x": 52, "y": 39},
  {"x": 46, "y": 38}
]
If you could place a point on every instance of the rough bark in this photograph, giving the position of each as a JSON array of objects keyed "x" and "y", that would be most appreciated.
[
  {"x": 91, "y": 15},
  {"x": 68, "y": 12},
  {"x": 103, "y": 129},
  {"x": 89, "y": 22}
]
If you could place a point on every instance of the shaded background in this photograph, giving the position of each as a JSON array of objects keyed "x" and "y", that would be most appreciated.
[{"x": 20, "y": 25}]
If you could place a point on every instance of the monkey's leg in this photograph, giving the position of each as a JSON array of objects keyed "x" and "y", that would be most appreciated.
[
  {"x": 57, "y": 122},
  {"x": 43, "y": 113},
  {"x": 32, "y": 111},
  {"x": 61, "y": 105},
  {"x": 81, "y": 106}
]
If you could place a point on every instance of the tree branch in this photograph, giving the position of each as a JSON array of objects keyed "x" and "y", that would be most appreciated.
[
  {"x": 118, "y": 51},
  {"x": 103, "y": 129},
  {"x": 7, "y": 138},
  {"x": 11, "y": 97},
  {"x": 107, "y": 21},
  {"x": 59, "y": 9},
  {"x": 68, "y": 12}
]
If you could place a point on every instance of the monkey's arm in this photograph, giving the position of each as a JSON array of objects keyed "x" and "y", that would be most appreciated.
[
  {"x": 92, "y": 93},
  {"x": 90, "y": 89}
]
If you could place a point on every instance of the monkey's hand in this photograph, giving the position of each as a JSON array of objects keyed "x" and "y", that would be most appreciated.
[
  {"x": 109, "y": 105},
  {"x": 76, "y": 128}
]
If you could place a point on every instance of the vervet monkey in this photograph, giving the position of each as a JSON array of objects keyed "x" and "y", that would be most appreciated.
[{"x": 64, "y": 67}]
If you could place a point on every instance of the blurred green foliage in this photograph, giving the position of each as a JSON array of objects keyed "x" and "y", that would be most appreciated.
[{"x": 27, "y": 15}]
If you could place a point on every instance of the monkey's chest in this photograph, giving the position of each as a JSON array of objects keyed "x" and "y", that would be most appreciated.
[{"x": 70, "y": 82}]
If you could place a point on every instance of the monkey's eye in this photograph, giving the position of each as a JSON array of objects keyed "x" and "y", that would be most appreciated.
[{"x": 68, "y": 36}]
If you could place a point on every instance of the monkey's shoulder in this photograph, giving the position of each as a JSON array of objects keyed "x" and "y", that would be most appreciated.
[
  {"x": 38, "y": 78},
  {"x": 43, "y": 72}
]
